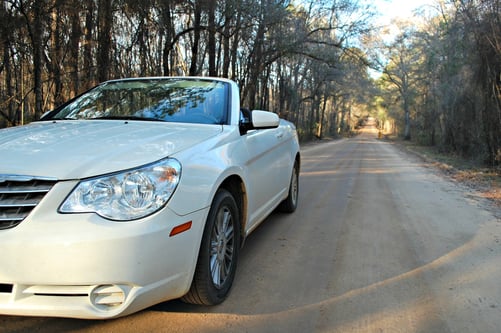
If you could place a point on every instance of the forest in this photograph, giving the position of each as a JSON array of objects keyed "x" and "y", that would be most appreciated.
[{"x": 324, "y": 65}]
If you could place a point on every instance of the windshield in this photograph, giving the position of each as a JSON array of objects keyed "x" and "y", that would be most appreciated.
[{"x": 172, "y": 100}]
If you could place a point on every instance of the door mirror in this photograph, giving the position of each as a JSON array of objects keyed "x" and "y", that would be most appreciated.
[
  {"x": 257, "y": 119},
  {"x": 264, "y": 119}
]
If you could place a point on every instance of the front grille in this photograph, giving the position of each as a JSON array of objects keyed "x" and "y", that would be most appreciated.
[{"x": 19, "y": 195}]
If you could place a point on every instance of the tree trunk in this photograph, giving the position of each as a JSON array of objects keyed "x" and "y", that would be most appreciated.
[
  {"x": 322, "y": 117},
  {"x": 254, "y": 66},
  {"x": 76, "y": 33},
  {"x": 5, "y": 37},
  {"x": 142, "y": 34},
  {"x": 226, "y": 39},
  {"x": 169, "y": 36},
  {"x": 234, "y": 46},
  {"x": 196, "y": 38},
  {"x": 37, "y": 42},
  {"x": 89, "y": 45},
  {"x": 56, "y": 54},
  {"x": 212, "y": 38},
  {"x": 105, "y": 18},
  {"x": 407, "y": 116}
]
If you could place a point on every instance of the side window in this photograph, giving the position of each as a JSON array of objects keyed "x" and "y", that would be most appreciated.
[
  {"x": 245, "y": 116},
  {"x": 245, "y": 121}
]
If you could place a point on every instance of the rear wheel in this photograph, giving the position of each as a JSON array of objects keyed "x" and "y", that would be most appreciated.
[
  {"x": 218, "y": 256},
  {"x": 289, "y": 205}
]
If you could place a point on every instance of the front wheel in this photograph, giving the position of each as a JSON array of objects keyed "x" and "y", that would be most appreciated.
[
  {"x": 289, "y": 205},
  {"x": 218, "y": 256}
]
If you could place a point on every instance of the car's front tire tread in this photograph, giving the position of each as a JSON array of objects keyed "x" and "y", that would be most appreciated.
[{"x": 203, "y": 289}]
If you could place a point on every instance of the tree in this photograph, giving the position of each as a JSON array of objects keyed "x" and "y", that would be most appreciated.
[
  {"x": 402, "y": 74},
  {"x": 286, "y": 57},
  {"x": 7, "y": 96},
  {"x": 105, "y": 24}
]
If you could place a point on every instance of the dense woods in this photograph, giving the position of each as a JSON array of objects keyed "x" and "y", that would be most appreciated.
[
  {"x": 287, "y": 58},
  {"x": 305, "y": 60},
  {"x": 442, "y": 83}
]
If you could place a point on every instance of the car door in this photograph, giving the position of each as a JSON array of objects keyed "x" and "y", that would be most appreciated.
[{"x": 267, "y": 171}]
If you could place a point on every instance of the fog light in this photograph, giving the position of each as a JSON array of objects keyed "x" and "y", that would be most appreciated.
[{"x": 108, "y": 297}]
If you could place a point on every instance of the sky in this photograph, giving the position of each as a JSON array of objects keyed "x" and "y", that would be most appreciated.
[
  {"x": 391, "y": 10},
  {"x": 399, "y": 8}
]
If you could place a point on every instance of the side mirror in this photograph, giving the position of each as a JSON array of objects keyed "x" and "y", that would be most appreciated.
[
  {"x": 257, "y": 119},
  {"x": 264, "y": 119}
]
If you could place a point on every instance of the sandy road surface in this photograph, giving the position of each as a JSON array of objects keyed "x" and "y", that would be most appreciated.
[{"x": 379, "y": 243}]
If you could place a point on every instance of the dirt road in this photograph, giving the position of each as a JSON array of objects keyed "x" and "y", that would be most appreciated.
[{"x": 379, "y": 243}]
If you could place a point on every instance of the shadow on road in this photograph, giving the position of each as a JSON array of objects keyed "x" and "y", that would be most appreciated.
[{"x": 377, "y": 244}]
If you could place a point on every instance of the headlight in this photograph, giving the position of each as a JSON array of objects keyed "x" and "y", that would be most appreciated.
[{"x": 127, "y": 195}]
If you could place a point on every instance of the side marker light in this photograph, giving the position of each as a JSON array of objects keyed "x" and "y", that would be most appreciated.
[{"x": 180, "y": 228}]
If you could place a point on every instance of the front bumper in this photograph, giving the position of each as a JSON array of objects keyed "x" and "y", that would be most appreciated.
[{"x": 82, "y": 266}]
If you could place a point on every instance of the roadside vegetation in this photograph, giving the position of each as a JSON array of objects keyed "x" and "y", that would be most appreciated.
[
  {"x": 441, "y": 85},
  {"x": 324, "y": 65}
]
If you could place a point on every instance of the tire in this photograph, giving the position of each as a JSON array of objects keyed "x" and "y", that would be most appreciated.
[
  {"x": 289, "y": 205},
  {"x": 218, "y": 255}
]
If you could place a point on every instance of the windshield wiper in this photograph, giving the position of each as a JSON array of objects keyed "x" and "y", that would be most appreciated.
[
  {"x": 58, "y": 118},
  {"x": 127, "y": 118}
]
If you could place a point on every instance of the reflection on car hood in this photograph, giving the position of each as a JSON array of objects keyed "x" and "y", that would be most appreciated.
[{"x": 79, "y": 149}]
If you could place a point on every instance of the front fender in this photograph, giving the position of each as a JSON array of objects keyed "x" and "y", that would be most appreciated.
[{"x": 204, "y": 169}]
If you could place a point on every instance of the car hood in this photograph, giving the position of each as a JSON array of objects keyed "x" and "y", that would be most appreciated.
[{"x": 79, "y": 149}]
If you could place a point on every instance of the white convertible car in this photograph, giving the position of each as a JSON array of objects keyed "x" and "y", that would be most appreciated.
[{"x": 137, "y": 192}]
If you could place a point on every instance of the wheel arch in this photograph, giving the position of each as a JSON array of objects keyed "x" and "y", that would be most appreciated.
[
  {"x": 236, "y": 186},
  {"x": 298, "y": 161}
]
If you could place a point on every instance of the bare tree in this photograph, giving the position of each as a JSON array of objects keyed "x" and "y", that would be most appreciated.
[
  {"x": 277, "y": 51},
  {"x": 105, "y": 25},
  {"x": 401, "y": 73}
]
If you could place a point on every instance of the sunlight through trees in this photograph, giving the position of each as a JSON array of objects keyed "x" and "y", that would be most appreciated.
[{"x": 306, "y": 60}]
